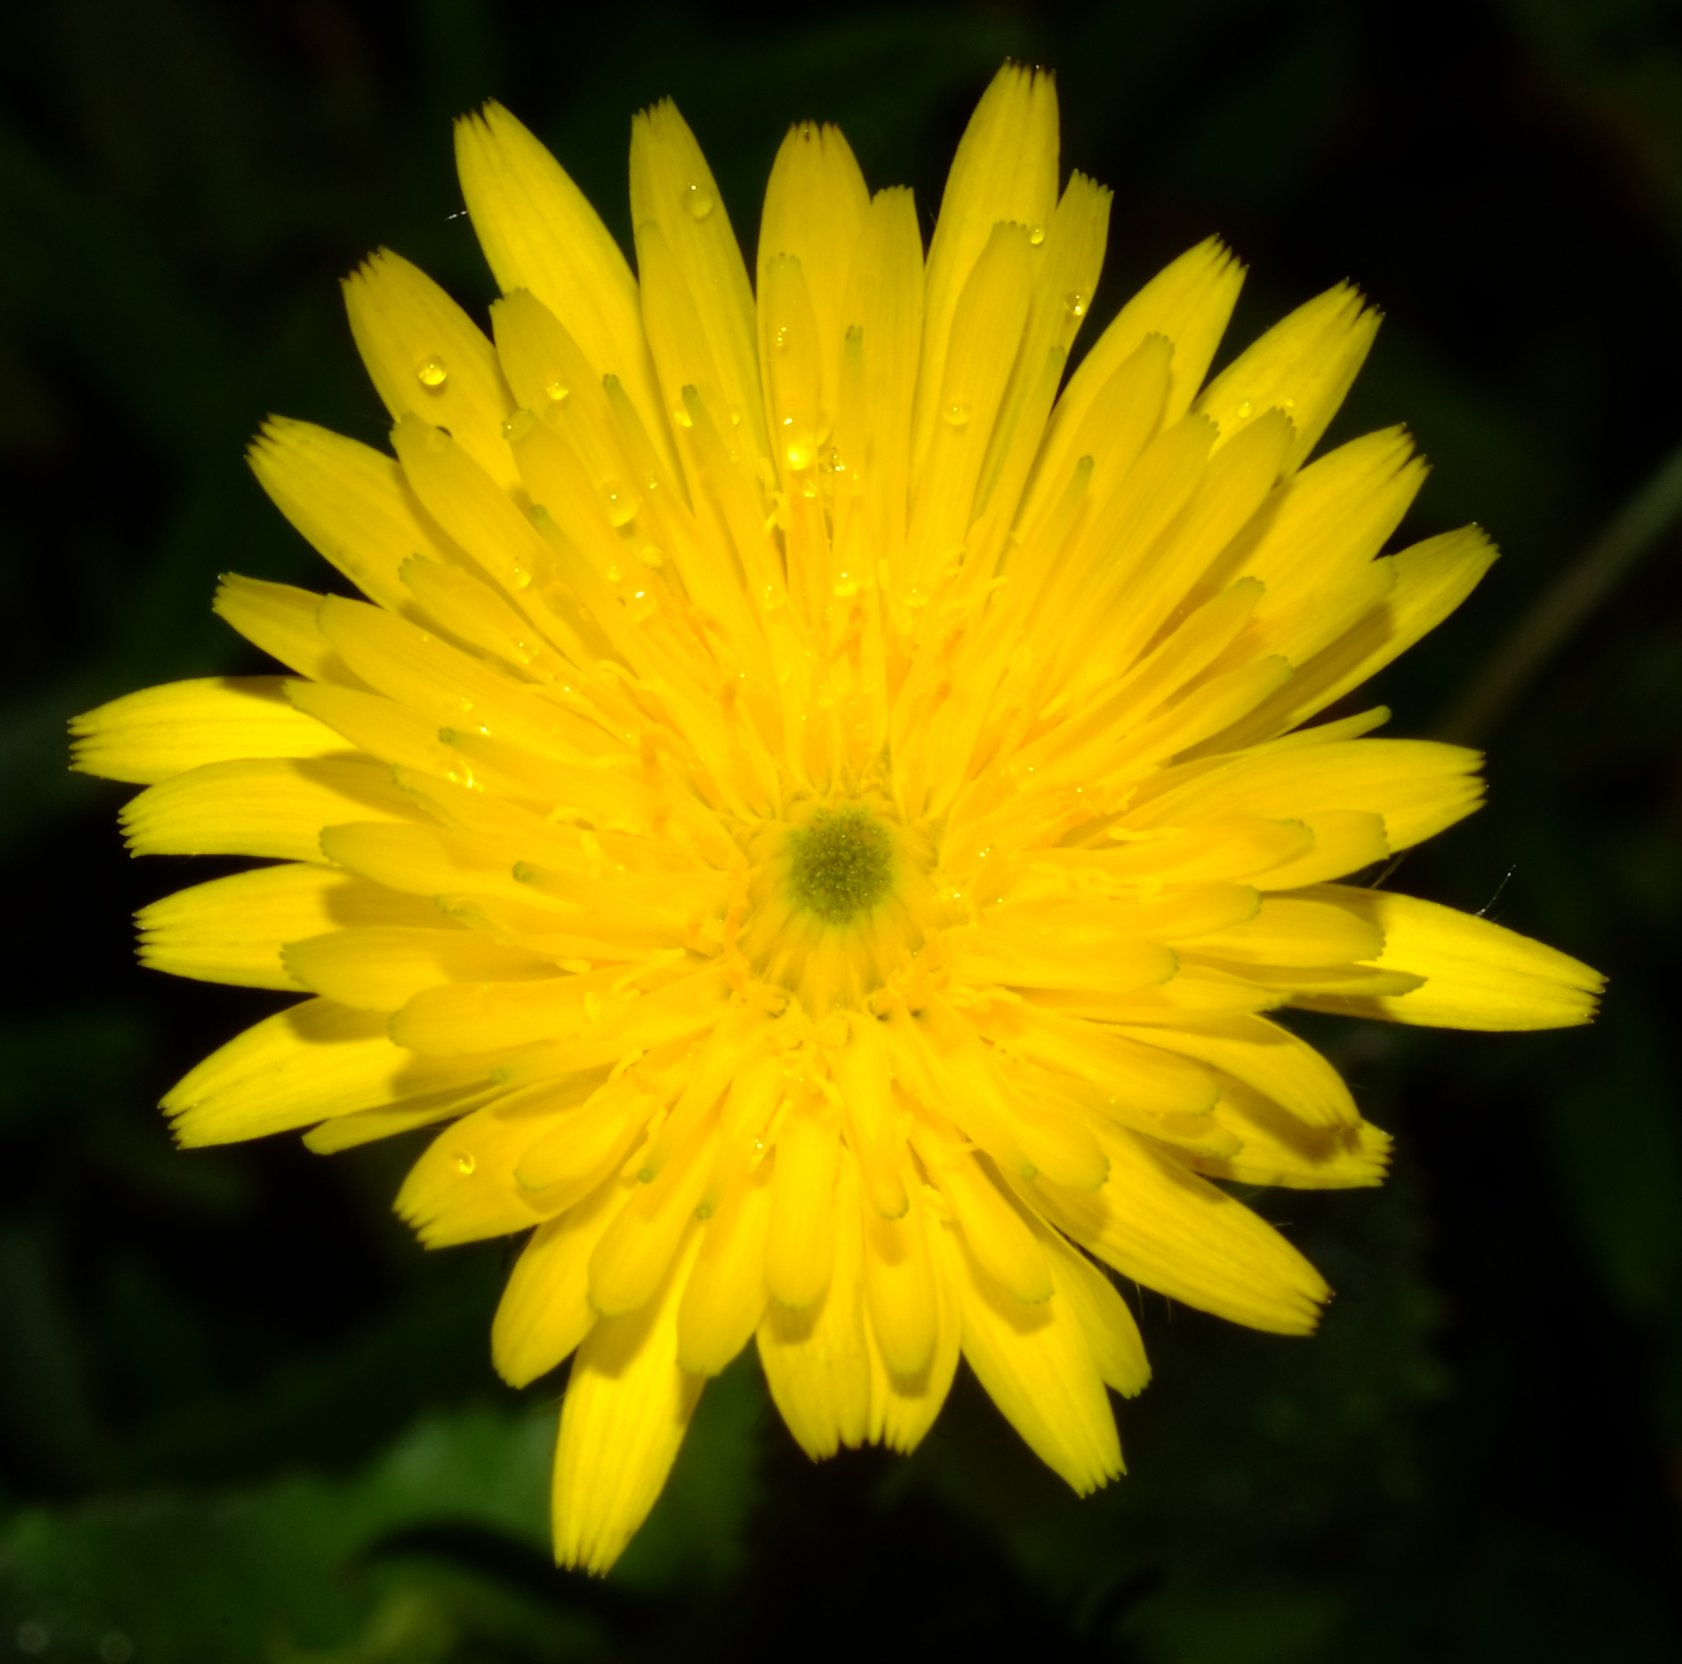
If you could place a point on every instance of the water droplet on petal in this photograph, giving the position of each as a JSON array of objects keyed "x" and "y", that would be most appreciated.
[
  {"x": 465, "y": 1164},
  {"x": 432, "y": 372},
  {"x": 1074, "y": 303},
  {"x": 698, "y": 200},
  {"x": 681, "y": 418},
  {"x": 1036, "y": 236},
  {"x": 956, "y": 414},
  {"x": 517, "y": 425},
  {"x": 556, "y": 392},
  {"x": 620, "y": 500},
  {"x": 1245, "y": 408}
]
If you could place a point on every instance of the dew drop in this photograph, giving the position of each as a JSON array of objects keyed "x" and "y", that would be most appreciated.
[
  {"x": 681, "y": 418},
  {"x": 1074, "y": 303},
  {"x": 1245, "y": 409},
  {"x": 557, "y": 392},
  {"x": 698, "y": 200},
  {"x": 432, "y": 372},
  {"x": 517, "y": 424},
  {"x": 956, "y": 415},
  {"x": 1287, "y": 405},
  {"x": 620, "y": 501},
  {"x": 465, "y": 1164},
  {"x": 1036, "y": 236},
  {"x": 465, "y": 703}
]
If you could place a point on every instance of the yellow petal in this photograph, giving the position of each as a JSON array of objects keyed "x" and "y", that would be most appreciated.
[
  {"x": 469, "y": 502},
  {"x": 1303, "y": 365},
  {"x": 1418, "y": 786},
  {"x": 365, "y": 1126},
  {"x": 540, "y": 233},
  {"x": 304, "y": 1064},
  {"x": 1187, "y": 304},
  {"x": 425, "y": 354},
  {"x": 1322, "y": 526},
  {"x": 414, "y": 668},
  {"x": 900, "y": 1290},
  {"x": 1293, "y": 931},
  {"x": 545, "y": 1309},
  {"x": 675, "y": 200},
  {"x": 987, "y": 323},
  {"x": 1146, "y": 1077},
  {"x": 1277, "y": 1148},
  {"x": 1477, "y": 974},
  {"x": 349, "y": 502},
  {"x": 462, "y": 1189},
  {"x": 1067, "y": 258},
  {"x": 873, "y": 420},
  {"x": 587, "y": 1142},
  {"x": 640, "y": 1245},
  {"x": 269, "y": 807},
  {"x": 1036, "y": 1365},
  {"x": 1345, "y": 840},
  {"x": 380, "y": 967},
  {"x": 800, "y": 1239},
  {"x": 1268, "y": 1058},
  {"x": 1005, "y": 172},
  {"x": 904, "y": 1407},
  {"x": 281, "y": 620},
  {"x": 726, "y": 1296},
  {"x": 816, "y": 1359},
  {"x": 815, "y": 207},
  {"x": 1431, "y": 579},
  {"x": 626, "y": 1410},
  {"x": 994, "y": 1231},
  {"x": 232, "y": 929},
  {"x": 949, "y": 1068},
  {"x": 1157, "y": 1222},
  {"x": 1111, "y": 1334},
  {"x": 164, "y": 731}
]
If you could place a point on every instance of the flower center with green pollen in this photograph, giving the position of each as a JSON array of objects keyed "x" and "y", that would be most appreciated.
[
  {"x": 834, "y": 902},
  {"x": 841, "y": 864}
]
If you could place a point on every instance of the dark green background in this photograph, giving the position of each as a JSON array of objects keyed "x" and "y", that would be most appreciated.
[{"x": 243, "y": 1417}]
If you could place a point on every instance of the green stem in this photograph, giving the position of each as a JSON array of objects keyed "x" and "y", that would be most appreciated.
[{"x": 1563, "y": 609}]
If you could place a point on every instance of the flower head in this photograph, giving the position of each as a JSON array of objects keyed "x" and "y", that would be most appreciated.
[{"x": 817, "y": 810}]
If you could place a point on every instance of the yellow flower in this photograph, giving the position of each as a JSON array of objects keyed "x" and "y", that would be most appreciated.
[{"x": 819, "y": 817}]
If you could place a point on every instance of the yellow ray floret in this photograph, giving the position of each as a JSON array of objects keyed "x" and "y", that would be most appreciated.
[{"x": 813, "y": 813}]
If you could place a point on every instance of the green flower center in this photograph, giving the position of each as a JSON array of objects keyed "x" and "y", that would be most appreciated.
[{"x": 840, "y": 864}]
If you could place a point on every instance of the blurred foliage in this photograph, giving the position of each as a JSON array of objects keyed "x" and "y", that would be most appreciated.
[{"x": 241, "y": 1418}]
